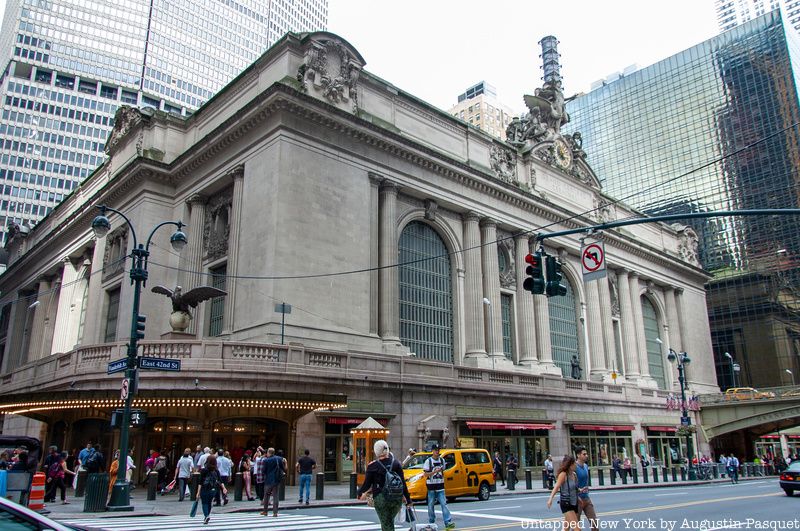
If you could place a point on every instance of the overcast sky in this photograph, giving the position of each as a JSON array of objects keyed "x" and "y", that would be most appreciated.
[{"x": 435, "y": 49}]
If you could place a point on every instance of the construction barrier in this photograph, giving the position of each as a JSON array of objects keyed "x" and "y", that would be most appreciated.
[{"x": 36, "y": 499}]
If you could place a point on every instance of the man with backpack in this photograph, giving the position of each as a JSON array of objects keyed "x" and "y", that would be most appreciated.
[
  {"x": 96, "y": 461},
  {"x": 434, "y": 479},
  {"x": 273, "y": 470}
]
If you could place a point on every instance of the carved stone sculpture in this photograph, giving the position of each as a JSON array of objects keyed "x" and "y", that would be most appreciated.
[
  {"x": 688, "y": 244},
  {"x": 329, "y": 69},
  {"x": 503, "y": 163},
  {"x": 181, "y": 302}
]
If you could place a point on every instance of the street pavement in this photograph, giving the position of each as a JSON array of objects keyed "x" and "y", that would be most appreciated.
[{"x": 755, "y": 504}]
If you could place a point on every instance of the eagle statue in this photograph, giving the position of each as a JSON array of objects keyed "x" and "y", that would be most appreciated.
[{"x": 181, "y": 302}]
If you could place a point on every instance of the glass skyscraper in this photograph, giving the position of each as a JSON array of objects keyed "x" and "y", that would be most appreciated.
[
  {"x": 715, "y": 127},
  {"x": 69, "y": 64}
]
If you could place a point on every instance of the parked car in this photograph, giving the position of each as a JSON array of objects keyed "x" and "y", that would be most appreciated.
[
  {"x": 790, "y": 478},
  {"x": 747, "y": 393},
  {"x": 468, "y": 472},
  {"x": 9, "y": 443},
  {"x": 15, "y": 516}
]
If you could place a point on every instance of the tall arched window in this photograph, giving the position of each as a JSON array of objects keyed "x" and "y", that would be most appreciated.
[
  {"x": 564, "y": 330},
  {"x": 655, "y": 358},
  {"x": 426, "y": 301}
]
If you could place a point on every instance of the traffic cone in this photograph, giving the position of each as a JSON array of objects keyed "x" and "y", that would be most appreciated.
[{"x": 36, "y": 498}]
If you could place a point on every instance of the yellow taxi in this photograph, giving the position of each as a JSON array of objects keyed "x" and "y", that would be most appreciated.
[
  {"x": 468, "y": 472},
  {"x": 746, "y": 393}
]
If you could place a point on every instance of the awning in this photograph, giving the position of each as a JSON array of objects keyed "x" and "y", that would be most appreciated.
[
  {"x": 663, "y": 428},
  {"x": 478, "y": 425},
  {"x": 770, "y": 436},
  {"x": 595, "y": 427},
  {"x": 352, "y": 420}
]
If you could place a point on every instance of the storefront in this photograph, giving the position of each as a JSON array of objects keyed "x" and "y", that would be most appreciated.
[
  {"x": 664, "y": 446},
  {"x": 529, "y": 442},
  {"x": 603, "y": 442},
  {"x": 338, "y": 447}
]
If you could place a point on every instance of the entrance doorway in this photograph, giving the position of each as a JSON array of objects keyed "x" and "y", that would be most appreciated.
[{"x": 338, "y": 464}]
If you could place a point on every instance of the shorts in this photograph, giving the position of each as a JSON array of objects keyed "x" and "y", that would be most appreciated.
[{"x": 567, "y": 507}]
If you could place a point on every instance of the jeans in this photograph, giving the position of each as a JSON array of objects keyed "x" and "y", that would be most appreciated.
[
  {"x": 181, "y": 483},
  {"x": 305, "y": 482},
  {"x": 434, "y": 495},
  {"x": 206, "y": 496}
]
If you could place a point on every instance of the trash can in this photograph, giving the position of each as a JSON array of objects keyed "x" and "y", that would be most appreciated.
[{"x": 96, "y": 493}]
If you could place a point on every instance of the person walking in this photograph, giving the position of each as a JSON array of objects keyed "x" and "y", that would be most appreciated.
[
  {"x": 245, "y": 465},
  {"x": 305, "y": 467},
  {"x": 511, "y": 466},
  {"x": 210, "y": 483},
  {"x": 567, "y": 487},
  {"x": 627, "y": 468},
  {"x": 201, "y": 461},
  {"x": 497, "y": 468},
  {"x": 409, "y": 456},
  {"x": 549, "y": 470},
  {"x": 434, "y": 479},
  {"x": 273, "y": 470},
  {"x": 616, "y": 467},
  {"x": 84, "y": 454},
  {"x": 386, "y": 506},
  {"x": 183, "y": 472},
  {"x": 130, "y": 466},
  {"x": 56, "y": 475},
  {"x": 259, "y": 473},
  {"x": 225, "y": 467},
  {"x": 733, "y": 468},
  {"x": 585, "y": 505}
]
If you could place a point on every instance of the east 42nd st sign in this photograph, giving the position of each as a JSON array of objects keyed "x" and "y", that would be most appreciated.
[{"x": 160, "y": 364}]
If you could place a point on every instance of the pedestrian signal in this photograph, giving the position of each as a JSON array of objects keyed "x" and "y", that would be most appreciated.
[
  {"x": 554, "y": 286},
  {"x": 535, "y": 281}
]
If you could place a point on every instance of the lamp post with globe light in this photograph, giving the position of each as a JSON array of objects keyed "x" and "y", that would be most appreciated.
[
  {"x": 733, "y": 377},
  {"x": 120, "y": 494}
]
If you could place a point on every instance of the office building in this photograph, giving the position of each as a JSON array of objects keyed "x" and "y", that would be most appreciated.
[
  {"x": 731, "y": 13},
  {"x": 478, "y": 106},
  {"x": 398, "y": 236},
  {"x": 715, "y": 128},
  {"x": 67, "y": 66}
]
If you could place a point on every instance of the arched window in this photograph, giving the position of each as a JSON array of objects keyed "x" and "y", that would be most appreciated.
[
  {"x": 655, "y": 358},
  {"x": 564, "y": 330},
  {"x": 426, "y": 301}
]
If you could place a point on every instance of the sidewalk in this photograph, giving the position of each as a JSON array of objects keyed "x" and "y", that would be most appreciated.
[{"x": 335, "y": 494}]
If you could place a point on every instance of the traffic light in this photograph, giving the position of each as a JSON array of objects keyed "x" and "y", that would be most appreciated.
[
  {"x": 535, "y": 281},
  {"x": 554, "y": 286},
  {"x": 140, "y": 321}
]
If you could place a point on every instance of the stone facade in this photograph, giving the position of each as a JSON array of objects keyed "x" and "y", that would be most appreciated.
[{"x": 300, "y": 178}]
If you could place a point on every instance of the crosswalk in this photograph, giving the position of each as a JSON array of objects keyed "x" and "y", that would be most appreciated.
[{"x": 225, "y": 522}]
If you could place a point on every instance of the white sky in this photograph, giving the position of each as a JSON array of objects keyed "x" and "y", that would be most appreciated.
[{"x": 435, "y": 49}]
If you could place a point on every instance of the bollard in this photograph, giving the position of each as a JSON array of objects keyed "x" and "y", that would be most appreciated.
[
  {"x": 600, "y": 477},
  {"x": 683, "y": 474},
  {"x": 238, "y": 485},
  {"x": 645, "y": 477},
  {"x": 613, "y": 477},
  {"x": 635, "y": 473},
  {"x": 80, "y": 486},
  {"x": 511, "y": 480},
  {"x": 194, "y": 481},
  {"x": 353, "y": 485},
  {"x": 152, "y": 485},
  {"x": 664, "y": 474},
  {"x": 674, "y": 474},
  {"x": 715, "y": 471},
  {"x": 320, "y": 486},
  {"x": 624, "y": 476},
  {"x": 589, "y": 477},
  {"x": 528, "y": 479},
  {"x": 544, "y": 479},
  {"x": 655, "y": 475},
  {"x": 282, "y": 490},
  {"x": 96, "y": 493}
]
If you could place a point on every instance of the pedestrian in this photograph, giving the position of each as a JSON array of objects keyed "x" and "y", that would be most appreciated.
[
  {"x": 511, "y": 467},
  {"x": 385, "y": 467},
  {"x": 497, "y": 468},
  {"x": 210, "y": 483},
  {"x": 549, "y": 470},
  {"x": 5, "y": 460},
  {"x": 56, "y": 475},
  {"x": 96, "y": 462},
  {"x": 225, "y": 466},
  {"x": 733, "y": 468},
  {"x": 273, "y": 469},
  {"x": 259, "y": 456},
  {"x": 245, "y": 465},
  {"x": 567, "y": 487},
  {"x": 161, "y": 469},
  {"x": 305, "y": 467},
  {"x": 585, "y": 505},
  {"x": 627, "y": 467},
  {"x": 198, "y": 453},
  {"x": 83, "y": 456},
  {"x": 183, "y": 472},
  {"x": 129, "y": 468},
  {"x": 113, "y": 470},
  {"x": 434, "y": 479},
  {"x": 616, "y": 467},
  {"x": 51, "y": 458},
  {"x": 409, "y": 456}
]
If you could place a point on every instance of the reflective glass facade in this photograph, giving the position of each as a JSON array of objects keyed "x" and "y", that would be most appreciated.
[
  {"x": 68, "y": 65},
  {"x": 714, "y": 128}
]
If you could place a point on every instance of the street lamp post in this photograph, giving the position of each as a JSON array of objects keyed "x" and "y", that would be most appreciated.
[
  {"x": 736, "y": 369},
  {"x": 790, "y": 372},
  {"x": 682, "y": 360},
  {"x": 733, "y": 378},
  {"x": 488, "y": 304},
  {"x": 120, "y": 494}
]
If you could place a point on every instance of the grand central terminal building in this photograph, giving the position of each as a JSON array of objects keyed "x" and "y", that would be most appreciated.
[{"x": 397, "y": 235}]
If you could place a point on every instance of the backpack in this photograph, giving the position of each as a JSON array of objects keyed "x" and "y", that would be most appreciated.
[
  {"x": 211, "y": 481},
  {"x": 392, "y": 484},
  {"x": 54, "y": 469},
  {"x": 93, "y": 462}
]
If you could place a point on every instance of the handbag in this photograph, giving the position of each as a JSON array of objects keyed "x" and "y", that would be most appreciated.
[{"x": 193, "y": 511}]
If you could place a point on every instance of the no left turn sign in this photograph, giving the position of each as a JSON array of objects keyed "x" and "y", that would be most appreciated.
[{"x": 593, "y": 261}]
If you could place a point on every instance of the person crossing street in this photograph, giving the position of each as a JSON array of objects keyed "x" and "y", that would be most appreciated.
[{"x": 434, "y": 479}]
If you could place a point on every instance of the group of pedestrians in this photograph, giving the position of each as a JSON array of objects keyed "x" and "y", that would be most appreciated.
[
  {"x": 572, "y": 487},
  {"x": 61, "y": 469},
  {"x": 512, "y": 464}
]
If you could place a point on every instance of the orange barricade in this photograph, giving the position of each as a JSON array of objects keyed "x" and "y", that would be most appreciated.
[{"x": 36, "y": 499}]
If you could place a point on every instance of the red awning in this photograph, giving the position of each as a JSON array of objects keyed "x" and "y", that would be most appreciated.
[
  {"x": 348, "y": 420},
  {"x": 792, "y": 436},
  {"x": 770, "y": 436},
  {"x": 476, "y": 425},
  {"x": 595, "y": 427},
  {"x": 662, "y": 428}
]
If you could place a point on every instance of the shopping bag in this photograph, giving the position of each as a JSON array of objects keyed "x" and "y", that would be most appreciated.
[{"x": 193, "y": 512}]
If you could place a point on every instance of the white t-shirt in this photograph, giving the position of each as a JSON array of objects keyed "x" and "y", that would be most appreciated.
[
  {"x": 224, "y": 465},
  {"x": 202, "y": 461},
  {"x": 185, "y": 465}
]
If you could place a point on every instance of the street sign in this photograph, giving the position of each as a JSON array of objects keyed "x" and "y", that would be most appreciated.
[
  {"x": 160, "y": 364},
  {"x": 283, "y": 308},
  {"x": 685, "y": 421},
  {"x": 593, "y": 261},
  {"x": 125, "y": 387},
  {"x": 117, "y": 366}
]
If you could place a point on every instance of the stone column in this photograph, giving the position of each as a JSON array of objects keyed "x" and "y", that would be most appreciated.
[
  {"x": 645, "y": 380},
  {"x": 673, "y": 322},
  {"x": 607, "y": 326},
  {"x": 95, "y": 323},
  {"x": 491, "y": 290},
  {"x": 524, "y": 299},
  {"x": 233, "y": 247},
  {"x": 389, "y": 325},
  {"x": 628, "y": 322},
  {"x": 14, "y": 337},
  {"x": 37, "y": 322},
  {"x": 475, "y": 351},
  {"x": 192, "y": 257},
  {"x": 594, "y": 325},
  {"x": 70, "y": 285},
  {"x": 374, "y": 252}
]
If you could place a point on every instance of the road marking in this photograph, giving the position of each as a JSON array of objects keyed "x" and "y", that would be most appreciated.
[
  {"x": 489, "y": 509},
  {"x": 672, "y": 494},
  {"x": 226, "y": 522}
]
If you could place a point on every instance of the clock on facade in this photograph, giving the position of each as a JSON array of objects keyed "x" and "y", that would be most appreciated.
[{"x": 562, "y": 153}]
